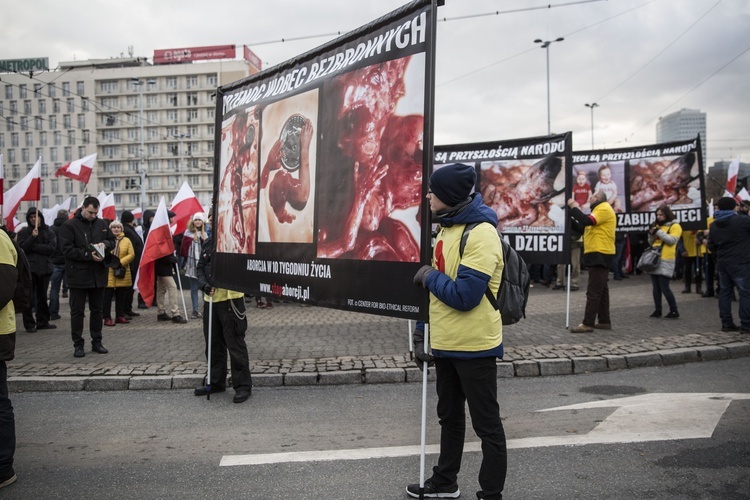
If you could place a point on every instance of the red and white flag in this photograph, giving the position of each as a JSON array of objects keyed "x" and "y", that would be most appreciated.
[
  {"x": 743, "y": 195},
  {"x": 137, "y": 213},
  {"x": 158, "y": 244},
  {"x": 184, "y": 205},
  {"x": 27, "y": 189},
  {"x": 732, "y": 172},
  {"x": 107, "y": 210},
  {"x": 79, "y": 170}
]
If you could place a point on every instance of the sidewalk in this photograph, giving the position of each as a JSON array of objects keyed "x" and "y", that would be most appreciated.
[{"x": 295, "y": 345}]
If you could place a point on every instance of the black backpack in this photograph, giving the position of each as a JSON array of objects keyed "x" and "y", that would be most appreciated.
[
  {"x": 22, "y": 298},
  {"x": 513, "y": 293}
]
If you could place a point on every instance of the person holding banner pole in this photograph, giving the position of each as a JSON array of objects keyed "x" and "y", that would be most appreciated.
[
  {"x": 465, "y": 333},
  {"x": 224, "y": 327}
]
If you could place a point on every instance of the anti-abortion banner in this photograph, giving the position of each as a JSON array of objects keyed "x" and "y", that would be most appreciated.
[
  {"x": 321, "y": 168},
  {"x": 639, "y": 180},
  {"x": 524, "y": 181}
]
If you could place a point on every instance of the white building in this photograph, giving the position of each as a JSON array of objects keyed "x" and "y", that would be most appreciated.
[
  {"x": 95, "y": 106},
  {"x": 683, "y": 125}
]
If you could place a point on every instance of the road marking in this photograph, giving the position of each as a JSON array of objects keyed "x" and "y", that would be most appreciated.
[{"x": 648, "y": 417}]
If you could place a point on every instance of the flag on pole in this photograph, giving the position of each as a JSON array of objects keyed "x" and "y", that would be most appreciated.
[
  {"x": 27, "y": 189},
  {"x": 108, "y": 210},
  {"x": 184, "y": 205},
  {"x": 158, "y": 244},
  {"x": 732, "y": 172},
  {"x": 50, "y": 214},
  {"x": 743, "y": 195},
  {"x": 137, "y": 213},
  {"x": 79, "y": 170}
]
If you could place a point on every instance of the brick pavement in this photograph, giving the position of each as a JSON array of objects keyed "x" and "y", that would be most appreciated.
[{"x": 295, "y": 345}]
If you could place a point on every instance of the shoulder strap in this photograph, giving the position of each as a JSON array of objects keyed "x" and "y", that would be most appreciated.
[{"x": 462, "y": 245}]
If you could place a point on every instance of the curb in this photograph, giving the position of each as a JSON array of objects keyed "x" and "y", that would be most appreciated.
[{"x": 372, "y": 375}]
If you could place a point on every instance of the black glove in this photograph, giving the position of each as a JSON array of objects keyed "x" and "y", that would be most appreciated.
[
  {"x": 421, "y": 276},
  {"x": 421, "y": 357},
  {"x": 207, "y": 289}
]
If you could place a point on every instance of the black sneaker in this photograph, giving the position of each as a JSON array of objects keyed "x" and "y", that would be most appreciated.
[
  {"x": 46, "y": 326},
  {"x": 655, "y": 314},
  {"x": 163, "y": 317},
  {"x": 98, "y": 347},
  {"x": 55, "y": 317},
  {"x": 672, "y": 315},
  {"x": 132, "y": 314},
  {"x": 730, "y": 328},
  {"x": 202, "y": 391},
  {"x": 179, "y": 319},
  {"x": 431, "y": 490},
  {"x": 241, "y": 395},
  {"x": 79, "y": 352},
  {"x": 8, "y": 478}
]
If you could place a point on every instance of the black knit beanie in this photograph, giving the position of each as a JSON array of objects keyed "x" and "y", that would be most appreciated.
[{"x": 452, "y": 184}]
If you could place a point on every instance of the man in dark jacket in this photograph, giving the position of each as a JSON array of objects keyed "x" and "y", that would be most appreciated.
[
  {"x": 58, "y": 268},
  {"x": 38, "y": 242},
  {"x": 86, "y": 242},
  {"x": 129, "y": 229},
  {"x": 729, "y": 241}
]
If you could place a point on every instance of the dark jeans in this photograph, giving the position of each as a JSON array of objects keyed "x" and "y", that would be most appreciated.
[
  {"x": 692, "y": 267},
  {"x": 41, "y": 283},
  {"x": 618, "y": 260},
  {"x": 597, "y": 296},
  {"x": 710, "y": 271},
  {"x": 739, "y": 276},
  {"x": 7, "y": 424},
  {"x": 56, "y": 280},
  {"x": 77, "y": 300},
  {"x": 228, "y": 333},
  {"x": 119, "y": 294},
  {"x": 659, "y": 287},
  {"x": 474, "y": 381}
]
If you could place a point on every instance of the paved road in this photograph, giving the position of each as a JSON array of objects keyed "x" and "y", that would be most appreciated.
[
  {"x": 171, "y": 445},
  {"x": 295, "y": 345}
]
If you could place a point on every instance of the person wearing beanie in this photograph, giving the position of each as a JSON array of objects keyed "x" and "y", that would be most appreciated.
[
  {"x": 38, "y": 243},
  {"x": 128, "y": 226},
  {"x": 466, "y": 332},
  {"x": 729, "y": 241}
]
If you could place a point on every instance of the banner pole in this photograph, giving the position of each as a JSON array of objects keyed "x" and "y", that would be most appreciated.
[
  {"x": 423, "y": 435},
  {"x": 567, "y": 304},
  {"x": 208, "y": 358},
  {"x": 182, "y": 295},
  {"x": 411, "y": 339}
]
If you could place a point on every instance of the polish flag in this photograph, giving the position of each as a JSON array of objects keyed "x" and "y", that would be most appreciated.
[
  {"x": 137, "y": 213},
  {"x": 50, "y": 214},
  {"x": 79, "y": 170},
  {"x": 184, "y": 205},
  {"x": 107, "y": 206},
  {"x": 158, "y": 244},
  {"x": 27, "y": 189},
  {"x": 732, "y": 172},
  {"x": 743, "y": 195}
]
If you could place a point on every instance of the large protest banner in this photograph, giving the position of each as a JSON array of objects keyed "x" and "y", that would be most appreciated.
[
  {"x": 524, "y": 181},
  {"x": 638, "y": 180},
  {"x": 321, "y": 171}
]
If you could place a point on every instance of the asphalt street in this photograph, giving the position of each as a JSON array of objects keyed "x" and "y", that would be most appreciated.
[{"x": 657, "y": 432}]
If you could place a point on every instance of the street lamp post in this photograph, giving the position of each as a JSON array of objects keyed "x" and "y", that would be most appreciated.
[
  {"x": 182, "y": 137},
  {"x": 592, "y": 106},
  {"x": 139, "y": 83},
  {"x": 545, "y": 45}
]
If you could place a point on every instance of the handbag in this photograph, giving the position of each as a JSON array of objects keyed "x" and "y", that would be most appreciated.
[
  {"x": 650, "y": 259},
  {"x": 119, "y": 272}
]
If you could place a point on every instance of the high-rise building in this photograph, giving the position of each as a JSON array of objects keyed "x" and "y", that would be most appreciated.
[
  {"x": 683, "y": 125},
  {"x": 112, "y": 107}
]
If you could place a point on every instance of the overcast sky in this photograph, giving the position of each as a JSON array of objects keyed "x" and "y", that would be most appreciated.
[{"x": 637, "y": 59}]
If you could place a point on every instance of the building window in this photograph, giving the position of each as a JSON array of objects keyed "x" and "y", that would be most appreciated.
[
  {"x": 58, "y": 199},
  {"x": 39, "y": 152},
  {"x": 108, "y": 86},
  {"x": 71, "y": 137},
  {"x": 9, "y": 91},
  {"x": 14, "y": 140},
  {"x": 86, "y": 137},
  {"x": 66, "y": 121},
  {"x": 192, "y": 130},
  {"x": 42, "y": 104},
  {"x": 24, "y": 123},
  {"x": 80, "y": 88},
  {"x": 172, "y": 165},
  {"x": 192, "y": 98},
  {"x": 133, "y": 101},
  {"x": 192, "y": 81},
  {"x": 13, "y": 108},
  {"x": 133, "y": 166},
  {"x": 152, "y": 101},
  {"x": 85, "y": 103},
  {"x": 153, "y": 149},
  {"x": 211, "y": 113},
  {"x": 52, "y": 90},
  {"x": 192, "y": 114},
  {"x": 172, "y": 115},
  {"x": 133, "y": 134},
  {"x": 42, "y": 138},
  {"x": 152, "y": 132},
  {"x": 133, "y": 150},
  {"x": 81, "y": 151},
  {"x": 37, "y": 89},
  {"x": 111, "y": 135},
  {"x": 212, "y": 80},
  {"x": 172, "y": 99},
  {"x": 52, "y": 122},
  {"x": 68, "y": 152},
  {"x": 110, "y": 102},
  {"x": 111, "y": 151},
  {"x": 172, "y": 82},
  {"x": 29, "y": 139},
  {"x": 112, "y": 167},
  {"x": 12, "y": 157},
  {"x": 9, "y": 125},
  {"x": 55, "y": 105},
  {"x": 153, "y": 165},
  {"x": 81, "y": 120},
  {"x": 22, "y": 91},
  {"x": 66, "y": 89},
  {"x": 27, "y": 106},
  {"x": 53, "y": 154},
  {"x": 25, "y": 154},
  {"x": 38, "y": 123},
  {"x": 2, "y": 140},
  {"x": 71, "y": 105},
  {"x": 152, "y": 117},
  {"x": 57, "y": 138},
  {"x": 172, "y": 131}
]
